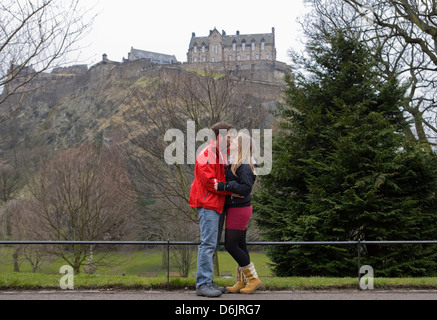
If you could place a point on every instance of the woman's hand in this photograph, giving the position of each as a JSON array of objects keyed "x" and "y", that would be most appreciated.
[
  {"x": 234, "y": 194},
  {"x": 216, "y": 185}
]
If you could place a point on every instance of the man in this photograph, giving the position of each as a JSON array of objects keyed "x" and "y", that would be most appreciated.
[{"x": 209, "y": 169}]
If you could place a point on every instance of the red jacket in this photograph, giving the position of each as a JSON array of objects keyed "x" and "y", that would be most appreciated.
[{"x": 209, "y": 168}]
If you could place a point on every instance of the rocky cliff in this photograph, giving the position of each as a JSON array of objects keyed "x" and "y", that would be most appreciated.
[{"x": 76, "y": 105}]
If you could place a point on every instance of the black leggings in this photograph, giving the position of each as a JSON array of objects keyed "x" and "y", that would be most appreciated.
[{"x": 235, "y": 244}]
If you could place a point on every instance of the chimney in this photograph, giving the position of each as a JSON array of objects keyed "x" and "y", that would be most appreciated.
[
  {"x": 238, "y": 32},
  {"x": 223, "y": 32},
  {"x": 274, "y": 36},
  {"x": 105, "y": 57},
  {"x": 193, "y": 35}
]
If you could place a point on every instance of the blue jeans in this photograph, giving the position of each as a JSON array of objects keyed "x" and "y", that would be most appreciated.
[{"x": 211, "y": 227}]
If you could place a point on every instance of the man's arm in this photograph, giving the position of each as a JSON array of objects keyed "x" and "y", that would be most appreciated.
[{"x": 207, "y": 175}]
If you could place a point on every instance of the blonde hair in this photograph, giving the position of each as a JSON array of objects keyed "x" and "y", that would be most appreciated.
[{"x": 244, "y": 154}]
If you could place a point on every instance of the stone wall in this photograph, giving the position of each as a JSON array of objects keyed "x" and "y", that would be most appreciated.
[
  {"x": 73, "y": 70},
  {"x": 268, "y": 71},
  {"x": 53, "y": 81}
]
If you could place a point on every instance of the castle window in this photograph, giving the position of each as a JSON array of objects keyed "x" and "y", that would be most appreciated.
[
  {"x": 195, "y": 49},
  {"x": 253, "y": 46},
  {"x": 234, "y": 45},
  {"x": 243, "y": 45},
  {"x": 203, "y": 49},
  {"x": 263, "y": 43},
  {"x": 230, "y": 58},
  {"x": 257, "y": 57},
  {"x": 268, "y": 56},
  {"x": 248, "y": 57},
  {"x": 195, "y": 59},
  {"x": 238, "y": 57}
]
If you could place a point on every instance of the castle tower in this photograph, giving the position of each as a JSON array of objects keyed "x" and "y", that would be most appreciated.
[{"x": 220, "y": 47}]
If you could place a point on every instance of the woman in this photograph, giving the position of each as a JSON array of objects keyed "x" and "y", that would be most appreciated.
[{"x": 240, "y": 177}]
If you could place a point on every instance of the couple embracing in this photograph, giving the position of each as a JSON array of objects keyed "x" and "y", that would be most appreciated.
[{"x": 223, "y": 179}]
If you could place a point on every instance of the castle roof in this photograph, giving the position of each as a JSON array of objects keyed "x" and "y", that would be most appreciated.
[
  {"x": 228, "y": 40},
  {"x": 154, "y": 57},
  {"x": 268, "y": 38}
]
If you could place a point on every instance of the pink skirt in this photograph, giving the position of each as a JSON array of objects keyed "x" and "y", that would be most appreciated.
[{"x": 238, "y": 218}]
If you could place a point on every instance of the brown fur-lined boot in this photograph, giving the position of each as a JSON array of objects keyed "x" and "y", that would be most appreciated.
[
  {"x": 241, "y": 282},
  {"x": 253, "y": 281}
]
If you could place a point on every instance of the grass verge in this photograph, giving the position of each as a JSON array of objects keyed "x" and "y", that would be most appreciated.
[{"x": 30, "y": 281}]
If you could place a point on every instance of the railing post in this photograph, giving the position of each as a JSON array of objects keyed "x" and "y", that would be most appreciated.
[
  {"x": 168, "y": 263},
  {"x": 359, "y": 264}
]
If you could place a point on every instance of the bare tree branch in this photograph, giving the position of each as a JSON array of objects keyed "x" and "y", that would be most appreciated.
[
  {"x": 35, "y": 36},
  {"x": 401, "y": 34}
]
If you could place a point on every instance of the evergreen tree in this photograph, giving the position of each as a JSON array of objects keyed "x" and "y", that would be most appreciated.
[{"x": 342, "y": 171}]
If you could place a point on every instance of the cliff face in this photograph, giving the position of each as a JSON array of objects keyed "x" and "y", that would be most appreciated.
[{"x": 74, "y": 106}]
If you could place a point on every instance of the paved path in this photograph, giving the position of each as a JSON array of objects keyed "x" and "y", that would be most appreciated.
[{"x": 191, "y": 296}]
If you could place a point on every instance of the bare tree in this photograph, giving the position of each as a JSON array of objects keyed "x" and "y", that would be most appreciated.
[
  {"x": 34, "y": 37},
  {"x": 412, "y": 24},
  {"x": 183, "y": 257},
  {"x": 10, "y": 183},
  {"x": 80, "y": 196},
  {"x": 413, "y": 20},
  {"x": 18, "y": 219},
  {"x": 9, "y": 225},
  {"x": 388, "y": 33}
]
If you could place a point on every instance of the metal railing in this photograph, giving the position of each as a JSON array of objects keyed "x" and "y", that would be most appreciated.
[{"x": 169, "y": 243}]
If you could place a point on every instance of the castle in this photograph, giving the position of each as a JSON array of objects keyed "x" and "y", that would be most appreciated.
[
  {"x": 248, "y": 56},
  {"x": 220, "y": 47}
]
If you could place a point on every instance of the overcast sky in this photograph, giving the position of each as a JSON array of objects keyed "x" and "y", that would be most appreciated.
[{"x": 166, "y": 26}]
